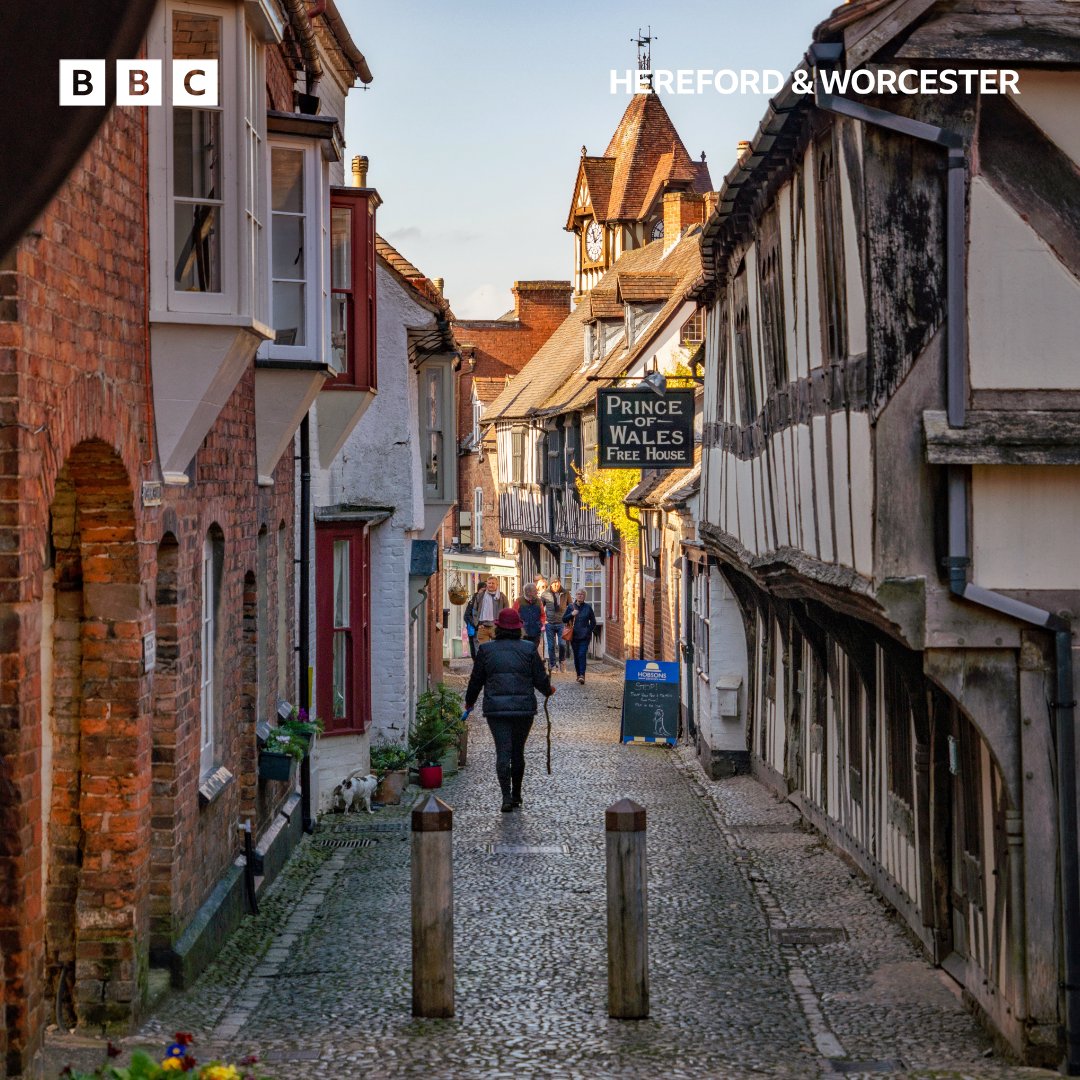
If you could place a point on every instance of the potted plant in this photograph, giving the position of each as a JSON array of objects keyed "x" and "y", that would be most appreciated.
[
  {"x": 303, "y": 725},
  {"x": 433, "y": 740},
  {"x": 282, "y": 750},
  {"x": 178, "y": 1058},
  {"x": 389, "y": 762}
]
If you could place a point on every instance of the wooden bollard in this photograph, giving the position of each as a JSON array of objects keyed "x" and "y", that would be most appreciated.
[
  {"x": 627, "y": 911},
  {"x": 432, "y": 908}
]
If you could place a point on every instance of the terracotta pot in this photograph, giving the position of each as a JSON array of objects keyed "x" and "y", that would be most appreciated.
[
  {"x": 430, "y": 776},
  {"x": 390, "y": 787}
]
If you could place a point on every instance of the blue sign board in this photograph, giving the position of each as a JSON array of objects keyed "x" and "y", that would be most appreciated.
[{"x": 650, "y": 707}]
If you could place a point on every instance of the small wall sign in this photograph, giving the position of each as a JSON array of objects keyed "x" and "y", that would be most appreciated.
[{"x": 149, "y": 651}]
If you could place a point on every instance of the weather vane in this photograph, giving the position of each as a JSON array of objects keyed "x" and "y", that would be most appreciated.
[{"x": 644, "y": 52}]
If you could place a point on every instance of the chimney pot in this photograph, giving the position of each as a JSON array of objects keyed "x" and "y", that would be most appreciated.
[
  {"x": 359, "y": 171},
  {"x": 743, "y": 151},
  {"x": 438, "y": 283}
]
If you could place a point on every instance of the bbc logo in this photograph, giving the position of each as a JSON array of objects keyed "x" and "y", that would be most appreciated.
[{"x": 138, "y": 82}]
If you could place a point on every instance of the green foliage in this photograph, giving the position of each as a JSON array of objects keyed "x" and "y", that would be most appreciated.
[
  {"x": 388, "y": 757},
  {"x": 438, "y": 723},
  {"x": 604, "y": 491},
  {"x": 300, "y": 722},
  {"x": 283, "y": 741}
]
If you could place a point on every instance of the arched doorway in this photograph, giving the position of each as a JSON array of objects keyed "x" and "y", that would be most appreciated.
[{"x": 96, "y": 741}]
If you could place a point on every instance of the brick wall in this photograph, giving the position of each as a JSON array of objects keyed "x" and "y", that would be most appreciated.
[
  {"x": 495, "y": 349},
  {"x": 123, "y": 853}
]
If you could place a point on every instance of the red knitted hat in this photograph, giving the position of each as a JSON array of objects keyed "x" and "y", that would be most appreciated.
[{"x": 509, "y": 619}]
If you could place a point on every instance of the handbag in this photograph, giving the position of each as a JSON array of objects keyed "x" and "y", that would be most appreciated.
[{"x": 568, "y": 631}]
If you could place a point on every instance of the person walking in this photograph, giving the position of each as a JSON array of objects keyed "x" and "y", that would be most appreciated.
[
  {"x": 483, "y": 609},
  {"x": 553, "y": 600},
  {"x": 532, "y": 614},
  {"x": 582, "y": 618},
  {"x": 509, "y": 671}
]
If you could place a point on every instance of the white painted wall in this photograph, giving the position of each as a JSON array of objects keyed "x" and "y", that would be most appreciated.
[
  {"x": 1052, "y": 100},
  {"x": 1025, "y": 520},
  {"x": 1023, "y": 304}
]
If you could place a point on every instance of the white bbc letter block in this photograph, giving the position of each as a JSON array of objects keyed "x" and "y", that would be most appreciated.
[
  {"x": 138, "y": 82},
  {"x": 82, "y": 82},
  {"x": 195, "y": 83}
]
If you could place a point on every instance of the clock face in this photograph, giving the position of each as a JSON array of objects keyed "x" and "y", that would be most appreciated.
[
  {"x": 658, "y": 230},
  {"x": 594, "y": 241}
]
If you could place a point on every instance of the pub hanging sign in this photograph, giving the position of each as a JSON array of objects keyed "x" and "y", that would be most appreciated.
[{"x": 640, "y": 429}]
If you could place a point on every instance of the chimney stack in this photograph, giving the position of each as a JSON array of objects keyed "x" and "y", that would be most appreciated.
[
  {"x": 541, "y": 302},
  {"x": 359, "y": 172},
  {"x": 681, "y": 210}
]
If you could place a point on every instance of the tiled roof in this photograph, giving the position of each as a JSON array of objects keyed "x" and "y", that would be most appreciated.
[
  {"x": 644, "y": 136},
  {"x": 640, "y": 288},
  {"x": 488, "y": 388},
  {"x": 662, "y": 486},
  {"x": 602, "y": 304},
  {"x": 644, "y": 157},
  {"x": 416, "y": 278},
  {"x": 553, "y": 381}
]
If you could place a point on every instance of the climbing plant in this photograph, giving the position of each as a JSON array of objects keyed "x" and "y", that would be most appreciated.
[{"x": 604, "y": 491}]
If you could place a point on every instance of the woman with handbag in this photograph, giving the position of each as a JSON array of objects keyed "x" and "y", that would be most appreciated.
[{"x": 580, "y": 622}]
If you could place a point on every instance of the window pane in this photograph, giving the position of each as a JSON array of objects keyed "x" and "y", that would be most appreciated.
[
  {"x": 287, "y": 180},
  {"x": 341, "y": 583},
  {"x": 341, "y": 247},
  {"x": 341, "y": 664},
  {"x": 197, "y": 154},
  {"x": 196, "y": 37},
  {"x": 339, "y": 333},
  {"x": 197, "y": 243},
  {"x": 288, "y": 247},
  {"x": 288, "y": 313}
]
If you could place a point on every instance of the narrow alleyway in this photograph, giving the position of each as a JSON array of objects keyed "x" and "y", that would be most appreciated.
[{"x": 318, "y": 985}]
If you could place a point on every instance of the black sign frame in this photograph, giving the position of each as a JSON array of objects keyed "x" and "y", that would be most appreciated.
[{"x": 637, "y": 428}]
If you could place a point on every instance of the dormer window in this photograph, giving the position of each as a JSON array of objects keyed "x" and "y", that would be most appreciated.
[
  {"x": 638, "y": 317},
  {"x": 592, "y": 334},
  {"x": 693, "y": 330}
]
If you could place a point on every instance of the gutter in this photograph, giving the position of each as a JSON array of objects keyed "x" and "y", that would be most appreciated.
[{"x": 958, "y": 562}]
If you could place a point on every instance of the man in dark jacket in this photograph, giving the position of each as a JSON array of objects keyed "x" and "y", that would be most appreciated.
[{"x": 509, "y": 671}]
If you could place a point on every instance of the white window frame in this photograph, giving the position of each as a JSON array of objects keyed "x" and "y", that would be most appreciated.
[
  {"x": 477, "y": 414},
  {"x": 238, "y": 297},
  {"x": 208, "y": 640},
  {"x": 316, "y": 252},
  {"x": 478, "y": 519}
]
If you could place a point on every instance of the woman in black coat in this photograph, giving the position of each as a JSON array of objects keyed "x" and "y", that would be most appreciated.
[
  {"x": 509, "y": 671},
  {"x": 583, "y": 619}
]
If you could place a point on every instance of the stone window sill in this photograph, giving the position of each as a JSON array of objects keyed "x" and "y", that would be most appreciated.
[{"x": 213, "y": 784}]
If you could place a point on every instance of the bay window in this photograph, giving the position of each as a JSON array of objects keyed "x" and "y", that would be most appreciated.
[{"x": 352, "y": 287}]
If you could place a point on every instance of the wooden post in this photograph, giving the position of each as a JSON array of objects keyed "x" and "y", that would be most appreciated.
[
  {"x": 432, "y": 908},
  {"x": 627, "y": 912}
]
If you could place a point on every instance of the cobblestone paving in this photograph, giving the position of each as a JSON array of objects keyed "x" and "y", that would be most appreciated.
[{"x": 318, "y": 985}]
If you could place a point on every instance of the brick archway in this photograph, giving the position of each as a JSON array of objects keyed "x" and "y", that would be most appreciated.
[{"x": 97, "y": 817}]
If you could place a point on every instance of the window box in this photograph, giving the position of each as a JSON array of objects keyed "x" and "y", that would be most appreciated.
[{"x": 275, "y": 766}]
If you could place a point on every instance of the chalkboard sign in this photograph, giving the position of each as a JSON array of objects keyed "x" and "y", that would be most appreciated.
[{"x": 650, "y": 704}]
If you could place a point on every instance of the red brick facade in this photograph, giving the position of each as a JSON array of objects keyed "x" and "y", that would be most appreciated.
[
  {"x": 125, "y": 851},
  {"x": 494, "y": 349}
]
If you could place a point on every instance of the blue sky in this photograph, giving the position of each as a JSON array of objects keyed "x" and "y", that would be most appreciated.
[{"x": 478, "y": 111}]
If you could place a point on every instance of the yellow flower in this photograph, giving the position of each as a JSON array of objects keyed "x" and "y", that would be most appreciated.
[
  {"x": 219, "y": 1072},
  {"x": 172, "y": 1064}
]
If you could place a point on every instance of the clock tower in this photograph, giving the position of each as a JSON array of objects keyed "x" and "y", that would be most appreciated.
[{"x": 618, "y": 198}]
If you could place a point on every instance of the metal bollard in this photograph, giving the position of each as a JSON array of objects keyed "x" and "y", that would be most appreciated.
[
  {"x": 432, "y": 908},
  {"x": 627, "y": 911}
]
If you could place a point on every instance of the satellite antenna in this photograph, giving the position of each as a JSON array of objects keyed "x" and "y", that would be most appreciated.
[{"x": 644, "y": 53}]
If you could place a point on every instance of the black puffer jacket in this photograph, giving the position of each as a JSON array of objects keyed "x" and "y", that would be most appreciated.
[{"x": 508, "y": 670}]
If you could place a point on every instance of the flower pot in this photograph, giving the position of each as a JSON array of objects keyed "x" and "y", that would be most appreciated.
[
  {"x": 390, "y": 787},
  {"x": 449, "y": 761},
  {"x": 430, "y": 776},
  {"x": 274, "y": 766}
]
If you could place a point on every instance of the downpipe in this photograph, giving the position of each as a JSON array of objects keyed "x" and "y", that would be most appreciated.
[
  {"x": 958, "y": 562},
  {"x": 304, "y": 609}
]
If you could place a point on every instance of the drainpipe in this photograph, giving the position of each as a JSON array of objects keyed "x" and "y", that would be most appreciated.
[
  {"x": 641, "y": 578},
  {"x": 304, "y": 637},
  {"x": 958, "y": 562}
]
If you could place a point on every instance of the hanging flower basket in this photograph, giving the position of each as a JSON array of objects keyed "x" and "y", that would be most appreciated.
[{"x": 458, "y": 594}]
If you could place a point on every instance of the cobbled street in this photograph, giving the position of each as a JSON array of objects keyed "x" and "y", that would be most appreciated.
[{"x": 318, "y": 985}]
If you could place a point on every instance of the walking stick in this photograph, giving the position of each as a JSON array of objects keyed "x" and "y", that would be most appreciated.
[{"x": 548, "y": 715}]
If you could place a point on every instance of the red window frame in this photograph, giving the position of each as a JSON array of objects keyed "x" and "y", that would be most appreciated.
[
  {"x": 357, "y": 716},
  {"x": 361, "y": 369}
]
